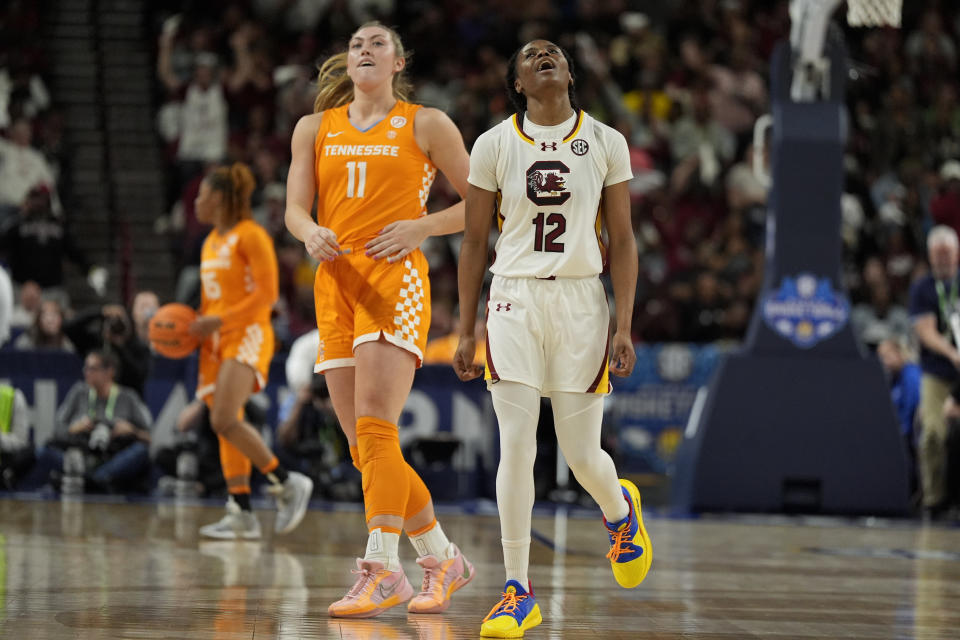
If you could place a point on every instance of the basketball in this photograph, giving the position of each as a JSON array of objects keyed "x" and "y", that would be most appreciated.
[{"x": 170, "y": 331}]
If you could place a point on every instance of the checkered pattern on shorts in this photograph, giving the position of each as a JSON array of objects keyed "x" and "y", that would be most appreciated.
[{"x": 407, "y": 322}]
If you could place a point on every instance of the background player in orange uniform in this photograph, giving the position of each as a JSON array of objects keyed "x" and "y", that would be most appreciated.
[
  {"x": 370, "y": 158},
  {"x": 238, "y": 273}
]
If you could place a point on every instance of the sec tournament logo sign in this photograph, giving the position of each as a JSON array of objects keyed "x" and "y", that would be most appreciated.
[{"x": 805, "y": 310}]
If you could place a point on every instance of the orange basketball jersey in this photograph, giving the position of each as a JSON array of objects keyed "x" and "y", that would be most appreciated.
[
  {"x": 238, "y": 272},
  {"x": 368, "y": 179}
]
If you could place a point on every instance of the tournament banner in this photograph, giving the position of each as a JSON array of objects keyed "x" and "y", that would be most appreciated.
[
  {"x": 439, "y": 406},
  {"x": 651, "y": 407}
]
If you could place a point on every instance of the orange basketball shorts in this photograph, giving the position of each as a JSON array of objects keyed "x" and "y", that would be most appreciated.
[
  {"x": 251, "y": 345},
  {"x": 359, "y": 299}
]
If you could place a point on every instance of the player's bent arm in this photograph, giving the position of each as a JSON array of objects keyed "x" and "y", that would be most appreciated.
[
  {"x": 925, "y": 327},
  {"x": 481, "y": 206},
  {"x": 445, "y": 221},
  {"x": 622, "y": 251},
  {"x": 441, "y": 141},
  {"x": 262, "y": 262},
  {"x": 301, "y": 180}
]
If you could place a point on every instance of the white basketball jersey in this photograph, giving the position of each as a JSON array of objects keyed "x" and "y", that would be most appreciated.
[{"x": 549, "y": 181}]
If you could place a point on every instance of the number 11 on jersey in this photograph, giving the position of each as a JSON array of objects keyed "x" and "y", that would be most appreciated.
[{"x": 360, "y": 181}]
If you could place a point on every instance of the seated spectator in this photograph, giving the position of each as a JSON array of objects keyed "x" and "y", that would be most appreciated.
[
  {"x": 879, "y": 318},
  {"x": 26, "y": 309},
  {"x": 703, "y": 317},
  {"x": 35, "y": 243},
  {"x": 110, "y": 328},
  {"x": 194, "y": 456},
  {"x": 16, "y": 450},
  {"x": 21, "y": 87},
  {"x": 108, "y": 423},
  {"x": 47, "y": 331},
  {"x": 309, "y": 440},
  {"x": 904, "y": 377},
  {"x": 945, "y": 205},
  {"x": 698, "y": 134},
  {"x": 22, "y": 169},
  {"x": 204, "y": 111},
  {"x": 300, "y": 361}
]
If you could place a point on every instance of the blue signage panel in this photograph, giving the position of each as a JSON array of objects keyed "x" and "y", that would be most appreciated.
[{"x": 651, "y": 407}]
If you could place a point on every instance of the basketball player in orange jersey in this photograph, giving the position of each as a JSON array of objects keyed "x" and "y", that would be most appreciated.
[
  {"x": 238, "y": 274},
  {"x": 552, "y": 177},
  {"x": 369, "y": 157}
]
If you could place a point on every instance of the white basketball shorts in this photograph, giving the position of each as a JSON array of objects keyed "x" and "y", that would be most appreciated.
[{"x": 552, "y": 335}]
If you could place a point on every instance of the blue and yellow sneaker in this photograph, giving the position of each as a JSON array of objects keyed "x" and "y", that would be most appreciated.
[
  {"x": 630, "y": 550},
  {"x": 516, "y": 612}
]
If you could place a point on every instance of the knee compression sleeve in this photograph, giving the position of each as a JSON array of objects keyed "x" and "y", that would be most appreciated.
[
  {"x": 419, "y": 495},
  {"x": 386, "y": 483}
]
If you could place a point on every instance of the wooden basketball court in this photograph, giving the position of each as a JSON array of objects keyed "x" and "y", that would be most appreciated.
[{"x": 82, "y": 570}]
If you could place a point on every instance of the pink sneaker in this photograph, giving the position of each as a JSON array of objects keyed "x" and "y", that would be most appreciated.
[
  {"x": 375, "y": 591},
  {"x": 440, "y": 580}
]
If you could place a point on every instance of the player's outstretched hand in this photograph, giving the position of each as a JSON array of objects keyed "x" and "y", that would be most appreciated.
[
  {"x": 624, "y": 356},
  {"x": 463, "y": 359},
  {"x": 322, "y": 244},
  {"x": 396, "y": 240}
]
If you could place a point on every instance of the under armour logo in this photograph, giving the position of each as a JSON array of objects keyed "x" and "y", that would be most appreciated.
[
  {"x": 544, "y": 145},
  {"x": 503, "y": 307}
]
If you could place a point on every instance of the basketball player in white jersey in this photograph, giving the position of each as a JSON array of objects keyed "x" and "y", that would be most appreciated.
[{"x": 551, "y": 176}]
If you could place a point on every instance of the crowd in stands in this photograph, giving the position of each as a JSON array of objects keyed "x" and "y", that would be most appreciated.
[{"x": 683, "y": 81}]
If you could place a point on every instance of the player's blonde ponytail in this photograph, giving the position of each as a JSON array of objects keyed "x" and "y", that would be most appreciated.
[{"x": 334, "y": 86}]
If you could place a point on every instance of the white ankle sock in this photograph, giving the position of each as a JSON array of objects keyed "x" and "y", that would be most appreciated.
[
  {"x": 433, "y": 543},
  {"x": 516, "y": 558},
  {"x": 383, "y": 547}
]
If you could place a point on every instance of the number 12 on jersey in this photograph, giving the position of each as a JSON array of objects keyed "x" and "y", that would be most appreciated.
[
  {"x": 360, "y": 181},
  {"x": 548, "y": 242}
]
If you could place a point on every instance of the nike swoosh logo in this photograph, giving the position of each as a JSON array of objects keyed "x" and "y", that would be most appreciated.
[
  {"x": 334, "y": 135},
  {"x": 386, "y": 593}
]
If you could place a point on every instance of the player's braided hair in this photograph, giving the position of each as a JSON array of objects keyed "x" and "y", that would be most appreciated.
[
  {"x": 236, "y": 183},
  {"x": 519, "y": 100}
]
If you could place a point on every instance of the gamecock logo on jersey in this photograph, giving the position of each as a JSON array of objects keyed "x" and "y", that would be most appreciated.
[{"x": 546, "y": 184}]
